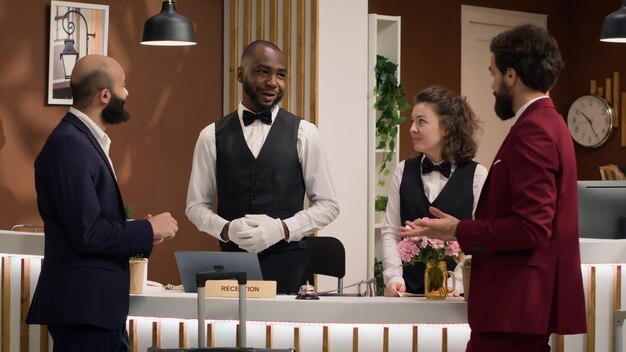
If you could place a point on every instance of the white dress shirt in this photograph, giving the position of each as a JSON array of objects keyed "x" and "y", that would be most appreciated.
[
  {"x": 433, "y": 185},
  {"x": 523, "y": 108},
  {"x": 319, "y": 187},
  {"x": 102, "y": 138}
]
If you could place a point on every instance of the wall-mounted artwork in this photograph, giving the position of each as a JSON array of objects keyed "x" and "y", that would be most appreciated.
[{"x": 76, "y": 30}]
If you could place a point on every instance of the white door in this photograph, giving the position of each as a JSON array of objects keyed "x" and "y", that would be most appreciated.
[{"x": 478, "y": 26}]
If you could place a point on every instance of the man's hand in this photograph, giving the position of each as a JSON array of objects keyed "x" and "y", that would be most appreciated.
[
  {"x": 235, "y": 229},
  {"x": 265, "y": 232},
  {"x": 443, "y": 228},
  {"x": 164, "y": 226}
]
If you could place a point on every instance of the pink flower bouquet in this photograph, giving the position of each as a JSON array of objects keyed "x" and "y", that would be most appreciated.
[{"x": 423, "y": 249}]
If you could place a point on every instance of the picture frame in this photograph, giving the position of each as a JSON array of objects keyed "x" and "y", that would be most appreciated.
[{"x": 76, "y": 29}]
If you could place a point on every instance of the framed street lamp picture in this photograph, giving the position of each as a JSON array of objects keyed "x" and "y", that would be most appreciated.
[{"x": 76, "y": 30}]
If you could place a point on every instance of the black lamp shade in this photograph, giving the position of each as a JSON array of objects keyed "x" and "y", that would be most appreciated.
[
  {"x": 614, "y": 26},
  {"x": 168, "y": 28}
]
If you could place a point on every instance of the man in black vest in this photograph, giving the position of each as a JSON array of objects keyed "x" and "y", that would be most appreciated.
[{"x": 261, "y": 160}]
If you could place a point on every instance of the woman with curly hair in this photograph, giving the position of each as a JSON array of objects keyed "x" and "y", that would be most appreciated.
[{"x": 443, "y": 175}]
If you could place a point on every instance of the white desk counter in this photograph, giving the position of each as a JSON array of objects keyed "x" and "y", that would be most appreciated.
[
  {"x": 21, "y": 243},
  {"x": 341, "y": 323},
  {"x": 326, "y": 310},
  {"x": 599, "y": 251}
]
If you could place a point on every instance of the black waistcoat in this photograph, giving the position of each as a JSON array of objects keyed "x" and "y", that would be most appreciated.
[
  {"x": 271, "y": 184},
  {"x": 456, "y": 198}
]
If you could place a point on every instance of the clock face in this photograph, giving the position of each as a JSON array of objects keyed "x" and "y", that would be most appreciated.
[{"x": 590, "y": 120}]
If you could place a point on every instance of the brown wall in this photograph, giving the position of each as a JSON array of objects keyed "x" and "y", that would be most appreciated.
[
  {"x": 588, "y": 58},
  {"x": 431, "y": 54},
  {"x": 174, "y": 93}
]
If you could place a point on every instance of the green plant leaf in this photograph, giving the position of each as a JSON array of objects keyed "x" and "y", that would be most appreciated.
[
  {"x": 378, "y": 275},
  {"x": 390, "y": 102},
  {"x": 380, "y": 203},
  {"x": 128, "y": 211},
  {"x": 136, "y": 257},
  {"x": 435, "y": 277}
]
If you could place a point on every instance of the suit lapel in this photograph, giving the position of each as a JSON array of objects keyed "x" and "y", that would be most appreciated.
[
  {"x": 538, "y": 104},
  {"x": 72, "y": 119}
]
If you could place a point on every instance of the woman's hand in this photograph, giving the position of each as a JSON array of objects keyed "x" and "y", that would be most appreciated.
[{"x": 393, "y": 288}]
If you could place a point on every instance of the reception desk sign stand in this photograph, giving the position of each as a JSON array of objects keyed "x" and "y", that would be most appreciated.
[{"x": 201, "y": 280}]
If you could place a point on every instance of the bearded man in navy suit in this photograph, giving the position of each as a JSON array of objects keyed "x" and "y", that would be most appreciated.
[
  {"x": 83, "y": 288},
  {"x": 526, "y": 276}
]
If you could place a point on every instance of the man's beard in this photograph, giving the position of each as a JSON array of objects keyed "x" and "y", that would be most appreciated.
[
  {"x": 114, "y": 112},
  {"x": 504, "y": 103},
  {"x": 247, "y": 88}
]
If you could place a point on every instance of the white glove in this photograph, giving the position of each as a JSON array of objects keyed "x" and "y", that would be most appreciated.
[
  {"x": 265, "y": 232},
  {"x": 235, "y": 229}
]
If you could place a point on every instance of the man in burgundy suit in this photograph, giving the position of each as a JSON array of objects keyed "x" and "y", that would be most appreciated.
[{"x": 526, "y": 277}]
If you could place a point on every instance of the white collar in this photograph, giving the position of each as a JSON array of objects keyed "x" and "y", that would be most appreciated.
[
  {"x": 91, "y": 125},
  {"x": 521, "y": 110}
]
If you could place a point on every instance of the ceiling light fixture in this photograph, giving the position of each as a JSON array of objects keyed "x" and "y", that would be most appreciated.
[
  {"x": 168, "y": 28},
  {"x": 614, "y": 26}
]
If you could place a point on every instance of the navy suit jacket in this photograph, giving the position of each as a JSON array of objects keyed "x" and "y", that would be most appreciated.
[{"x": 84, "y": 275}]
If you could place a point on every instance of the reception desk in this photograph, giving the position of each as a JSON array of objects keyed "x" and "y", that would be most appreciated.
[
  {"x": 167, "y": 318},
  {"x": 340, "y": 323}
]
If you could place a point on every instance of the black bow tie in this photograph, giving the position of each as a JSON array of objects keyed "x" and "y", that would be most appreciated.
[
  {"x": 249, "y": 117},
  {"x": 444, "y": 168}
]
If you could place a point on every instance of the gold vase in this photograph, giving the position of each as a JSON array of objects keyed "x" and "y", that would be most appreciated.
[{"x": 435, "y": 280}]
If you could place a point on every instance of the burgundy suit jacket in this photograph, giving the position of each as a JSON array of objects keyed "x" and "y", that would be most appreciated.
[{"x": 526, "y": 274}]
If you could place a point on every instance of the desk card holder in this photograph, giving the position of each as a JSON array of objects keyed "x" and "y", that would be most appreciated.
[{"x": 230, "y": 288}]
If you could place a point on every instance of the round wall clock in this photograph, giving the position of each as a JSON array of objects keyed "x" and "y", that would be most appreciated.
[{"x": 590, "y": 120}]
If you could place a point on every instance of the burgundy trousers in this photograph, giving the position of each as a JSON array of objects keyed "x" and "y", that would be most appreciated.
[{"x": 509, "y": 342}]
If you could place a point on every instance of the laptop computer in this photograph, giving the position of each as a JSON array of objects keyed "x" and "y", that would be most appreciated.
[{"x": 192, "y": 262}]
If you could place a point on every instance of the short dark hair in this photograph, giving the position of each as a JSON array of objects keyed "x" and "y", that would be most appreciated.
[
  {"x": 250, "y": 48},
  {"x": 531, "y": 52},
  {"x": 85, "y": 87},
  {"x": 457, "y": 118}
]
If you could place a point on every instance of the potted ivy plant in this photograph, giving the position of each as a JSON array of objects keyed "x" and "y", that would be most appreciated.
[
  {"x": 378, "y": 275},
  {"x": 380, "y": 206},
  {"x": 390, "y": 102}
]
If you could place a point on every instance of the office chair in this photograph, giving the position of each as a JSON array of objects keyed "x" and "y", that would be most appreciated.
[{"x": 328, "y": 257}]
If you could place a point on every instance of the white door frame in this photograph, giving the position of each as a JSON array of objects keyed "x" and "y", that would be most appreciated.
[{"x": 478, "y": 26}]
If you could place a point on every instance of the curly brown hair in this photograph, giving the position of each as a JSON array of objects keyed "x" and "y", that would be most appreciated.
[{"x": 458, "y": 120}]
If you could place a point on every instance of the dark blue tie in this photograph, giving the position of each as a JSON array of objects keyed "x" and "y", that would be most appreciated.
[
  {"x": 249, "y": 117},
  {"x": 444, "y": 168}
]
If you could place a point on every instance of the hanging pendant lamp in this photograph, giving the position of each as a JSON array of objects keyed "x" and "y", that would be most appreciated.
[
  {"x": 168, "y": 28},
  {"x": 614, "y": 26}
]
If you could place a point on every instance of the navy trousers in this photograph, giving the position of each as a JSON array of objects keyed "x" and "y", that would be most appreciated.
[{"x": 81, "y": 338}]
